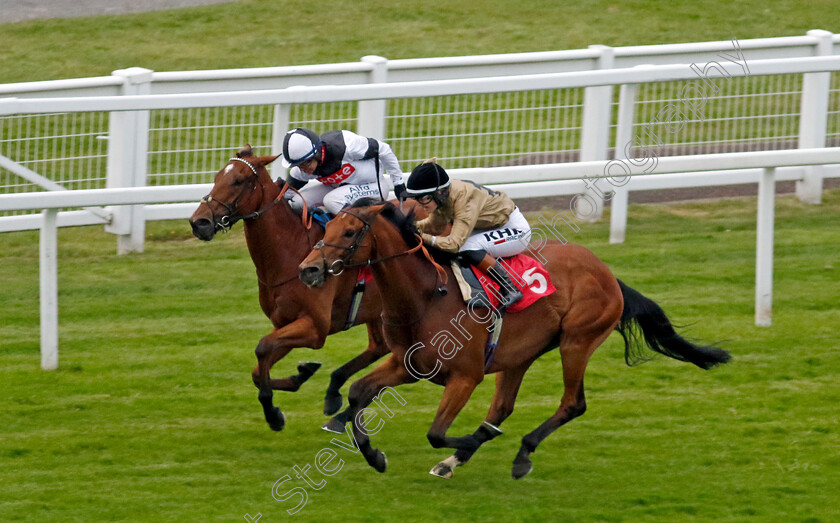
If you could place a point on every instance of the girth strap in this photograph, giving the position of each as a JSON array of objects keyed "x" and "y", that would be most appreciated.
[{"x": 356, "y": 300}]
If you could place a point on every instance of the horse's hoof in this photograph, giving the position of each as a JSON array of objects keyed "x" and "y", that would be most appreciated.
[
  {"x": 441, "y": 470},
  {"x": 381, "y": 461},
  {"x": 278, "y": 421},
  {"x": 378, "y": 461},
  {"x": 521, "y": 467},
  {"x": 332, "y": 402},
  {"x": 335, "y": 426},
  {"x": 306, "y": 370}
]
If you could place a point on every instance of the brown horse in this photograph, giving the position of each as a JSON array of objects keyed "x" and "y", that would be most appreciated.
[
  {"x": 433, "y": 335},
  {"x": 278, "y": 240}
]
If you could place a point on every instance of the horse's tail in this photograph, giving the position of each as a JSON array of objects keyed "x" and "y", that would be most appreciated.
[{"x": 643, "y": 322}]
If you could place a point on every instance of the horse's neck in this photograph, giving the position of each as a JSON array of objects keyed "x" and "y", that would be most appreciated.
[
  {"x": 405, "y": 284},
  {"x": 277, "y": 241}
]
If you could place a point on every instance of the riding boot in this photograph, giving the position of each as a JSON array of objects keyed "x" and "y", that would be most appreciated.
[{"x": 508, "y": 292}]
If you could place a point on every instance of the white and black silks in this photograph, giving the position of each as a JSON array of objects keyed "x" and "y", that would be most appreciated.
[{"x": 350, "y": 159}]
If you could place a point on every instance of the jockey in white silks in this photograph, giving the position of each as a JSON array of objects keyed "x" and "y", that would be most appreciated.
[{"x": 345, "y": 167}]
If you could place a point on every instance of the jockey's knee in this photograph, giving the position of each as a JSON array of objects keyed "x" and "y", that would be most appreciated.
[
  {"x": 472, "y": 257},
  {"x": 333, "y": 203},
  {"x": 296, "y": 203}
]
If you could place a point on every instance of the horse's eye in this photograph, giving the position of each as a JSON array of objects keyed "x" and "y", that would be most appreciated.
[
  {"x": 349, "y": 233},
  {"x": 238, "y": 182}
]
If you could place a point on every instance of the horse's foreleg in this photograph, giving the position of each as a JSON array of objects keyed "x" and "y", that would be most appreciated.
[
  {"x": 455, "y": 395},
  {"x": 389, "y": 374},
  {"x": 375, "y": 350},
  {"x": 272, "y": 348},
  {"x": 507, "y": 387}
]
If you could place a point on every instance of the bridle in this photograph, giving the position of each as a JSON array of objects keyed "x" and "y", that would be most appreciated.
[
  {"x": 338, "y": 266},
  {"x": 227, "y": 221}
]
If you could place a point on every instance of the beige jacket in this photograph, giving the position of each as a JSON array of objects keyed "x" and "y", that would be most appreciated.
[{"x": 469, "y": 207}]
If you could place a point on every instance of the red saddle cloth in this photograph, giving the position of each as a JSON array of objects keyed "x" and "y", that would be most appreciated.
[{"x": 527, "y": 274}]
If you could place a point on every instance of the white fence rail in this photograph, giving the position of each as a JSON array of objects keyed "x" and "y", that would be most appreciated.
[
  {"x": 767, "y": 162},
  {"x": 129, "y": 121},
  {"x": 523, "y": 124},
  {"x": 532, "y": 124}
]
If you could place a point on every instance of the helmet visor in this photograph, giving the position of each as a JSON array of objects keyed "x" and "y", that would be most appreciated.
[{"x": 423, "y": 199}]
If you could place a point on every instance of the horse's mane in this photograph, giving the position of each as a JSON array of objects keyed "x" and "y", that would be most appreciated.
[{"x": 405, "y": 223}]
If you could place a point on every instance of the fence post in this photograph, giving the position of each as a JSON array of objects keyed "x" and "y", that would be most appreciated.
[
  {"x": 370, "y": 121},
  {"x": 813, "y": 119},
  {"x": 623, "y": 139},
  {"x": 282, "y": 120},
  {"x": 764, "y": 248},
  {"x": 128, "y": 145},
  {"x": 595, "y": 133},
  {"x": 49, "y": 289}
]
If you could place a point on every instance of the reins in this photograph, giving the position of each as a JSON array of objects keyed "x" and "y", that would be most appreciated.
[
  {"x": 342, "y": 263},
  {"x": 227, "y": 221}
]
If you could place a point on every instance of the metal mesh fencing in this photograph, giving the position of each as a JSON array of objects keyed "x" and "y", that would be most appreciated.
[
  {"x": 190, "y": 145},
  {"x": 832, "y": 135},
  {"x": 737, "y": 114},
  {"x": 482, "y": 130},
  {"x": 67, "y": 148},
  {"x": 479, "y": 130}
]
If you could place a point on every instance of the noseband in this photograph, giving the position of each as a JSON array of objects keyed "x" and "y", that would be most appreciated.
[
  {"x": 228, "y": 220},
  {"x": 337, "y": 267}
]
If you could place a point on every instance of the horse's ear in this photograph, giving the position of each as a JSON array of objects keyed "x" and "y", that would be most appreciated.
[
  {"x": 265, "y": 160},
  {"x": 245, "y": 152}
]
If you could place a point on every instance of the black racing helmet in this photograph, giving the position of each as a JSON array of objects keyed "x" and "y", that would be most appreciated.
[{"x": 427, "y": 178}]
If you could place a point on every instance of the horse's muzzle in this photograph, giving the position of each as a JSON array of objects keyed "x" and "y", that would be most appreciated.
[
  {"x": 203, "y": 229},
  {"x": 312, "y": 275}
]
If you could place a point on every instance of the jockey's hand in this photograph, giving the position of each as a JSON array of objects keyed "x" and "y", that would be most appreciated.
[{"x": 399, "y": 191}]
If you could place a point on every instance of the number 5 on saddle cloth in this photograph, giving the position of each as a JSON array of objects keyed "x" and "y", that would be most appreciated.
[{"x": 478, "y": 290}]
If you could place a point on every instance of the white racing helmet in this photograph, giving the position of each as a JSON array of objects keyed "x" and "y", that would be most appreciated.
[{"x": 299, "y": 145}]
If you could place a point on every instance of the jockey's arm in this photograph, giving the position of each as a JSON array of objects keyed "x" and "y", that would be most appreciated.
[
  {"x": 295, "y": 179},
  {"x": 433, "y": 224},
  {"x": 358, "y": 148},
  {"x": 454, "y": 240},
  {"x": 389, "y": 161},
  {"x": 466, "y": 216}
]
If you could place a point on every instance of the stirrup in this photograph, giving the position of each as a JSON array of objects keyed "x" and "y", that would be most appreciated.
[
  {"x": 508, "y": 292},
  {"x": 509, "y": 298}
]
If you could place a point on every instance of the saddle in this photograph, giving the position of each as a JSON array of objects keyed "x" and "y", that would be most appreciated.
[
  {"x": 527, "y": 274},
  {"x": 478, "y": 290}
]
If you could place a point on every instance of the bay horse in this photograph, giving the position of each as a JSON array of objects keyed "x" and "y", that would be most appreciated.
[
  {"x": 278, "y": 240},
  {"x": 432, "y": 335}
]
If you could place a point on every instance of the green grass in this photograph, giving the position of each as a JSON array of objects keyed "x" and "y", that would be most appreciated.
[
  {"x": 255, "y": 33},
  {"x": 152, "y": 415}
]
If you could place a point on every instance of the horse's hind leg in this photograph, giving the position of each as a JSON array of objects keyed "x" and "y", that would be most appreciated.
[
  {"x": 507, "y": 387},
  {"x": 575, "y": 352},
  {"x": 375, "y": 350}
]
